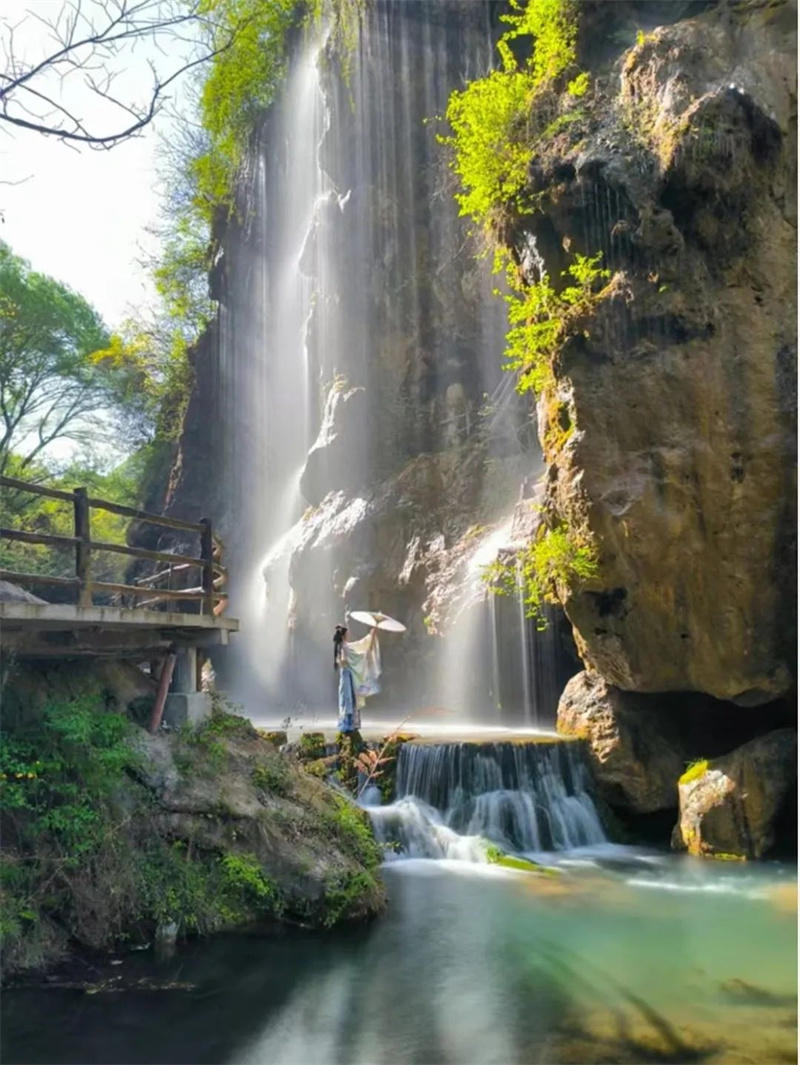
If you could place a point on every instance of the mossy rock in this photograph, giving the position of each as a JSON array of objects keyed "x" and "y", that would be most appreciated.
[
  {"x": 278, "y": 737},
  {"x": 311, "y": 746},
  {"x": 496, "y": 856},
  {"x": 349, "y": 746}
]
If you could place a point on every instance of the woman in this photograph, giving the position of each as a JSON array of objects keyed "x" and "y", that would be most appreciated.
[{"x": 359, "y": 665}]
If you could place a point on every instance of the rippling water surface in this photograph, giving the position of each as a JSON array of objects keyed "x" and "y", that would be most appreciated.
[{"x": 627, "y": 956}]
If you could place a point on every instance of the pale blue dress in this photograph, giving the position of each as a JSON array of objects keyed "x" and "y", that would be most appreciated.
[{"x": 359, "y": 676}]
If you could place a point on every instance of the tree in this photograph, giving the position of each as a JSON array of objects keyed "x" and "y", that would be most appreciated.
[
  {"x": 72, "y": 89},
  {"x": 58, "y": 366}
]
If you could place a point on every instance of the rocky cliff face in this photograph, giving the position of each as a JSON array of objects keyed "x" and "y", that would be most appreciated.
[
  {"x": 675, "y": 404},
  {"x": 680, "y": 392}
]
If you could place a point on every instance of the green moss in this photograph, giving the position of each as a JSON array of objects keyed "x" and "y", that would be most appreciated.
[
  {"x": 694, "y": 771},
  {"x": 496, "y": 856},
  {"x": 345, "y": 896},
  {"x": 723, "y": 856},
  {"x": 349, "y": 745},
  {"x": 351, "y": 829}
]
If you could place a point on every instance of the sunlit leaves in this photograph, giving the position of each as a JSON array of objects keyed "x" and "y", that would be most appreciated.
[
  {"x": 541, "y": 319},
  {"x": 556, "y": 561},
  {"x": 493, "y": 137}
]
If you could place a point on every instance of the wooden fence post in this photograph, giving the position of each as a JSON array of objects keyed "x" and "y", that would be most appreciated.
[
  {"x": 207, "y": 555},
  {"x": 83, "y": 552}
]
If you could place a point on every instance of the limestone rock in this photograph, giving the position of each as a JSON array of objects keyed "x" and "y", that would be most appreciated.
[
  {"x": 383, "y": 547},
  {"x": 339, "y": 457},
  {"x": 119, "y": 683},
  {"x": 729, "y": 806},
  {"x": 634, "y": 753},
  {"x": 679, "y": 391}
]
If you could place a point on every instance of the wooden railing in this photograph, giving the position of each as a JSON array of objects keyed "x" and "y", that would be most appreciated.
[{"x": 206, "y": 591}]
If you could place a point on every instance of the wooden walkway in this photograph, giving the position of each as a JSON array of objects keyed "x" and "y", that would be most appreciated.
[{"x": 178, "y": 605}]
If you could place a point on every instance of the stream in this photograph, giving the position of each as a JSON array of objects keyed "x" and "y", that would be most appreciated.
[
  {"x": 616, "y": 954},
  {"x": 629, "y": 955}
]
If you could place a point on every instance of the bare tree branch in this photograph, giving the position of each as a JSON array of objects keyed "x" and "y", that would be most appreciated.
[{"x": 92, "y": 41}]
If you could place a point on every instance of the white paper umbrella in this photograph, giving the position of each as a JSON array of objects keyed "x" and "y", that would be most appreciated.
[{"x": 383, "y": 621}]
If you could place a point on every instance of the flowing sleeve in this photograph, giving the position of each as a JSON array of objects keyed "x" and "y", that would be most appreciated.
[{"x": 365, "y": 664}]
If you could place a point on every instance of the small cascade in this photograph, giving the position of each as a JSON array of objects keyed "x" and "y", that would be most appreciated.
[{"x": 524, "y": 797}]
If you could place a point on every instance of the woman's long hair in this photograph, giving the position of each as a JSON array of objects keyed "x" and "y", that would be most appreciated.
[{"x": 338, "y": 639}]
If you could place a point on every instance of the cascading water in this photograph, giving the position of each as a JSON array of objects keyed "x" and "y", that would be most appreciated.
[
  {"x": 524, "y": 797},
  {"x": 358, "y": 334}
]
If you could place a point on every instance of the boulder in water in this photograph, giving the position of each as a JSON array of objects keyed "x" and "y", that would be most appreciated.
[{"x": 730, "y": 805}]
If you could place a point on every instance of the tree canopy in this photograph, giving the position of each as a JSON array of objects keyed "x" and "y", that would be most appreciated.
[{"x": 62, "y": 376}]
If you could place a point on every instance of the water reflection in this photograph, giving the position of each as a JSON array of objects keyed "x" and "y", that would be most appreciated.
[{"x": 470, "y": 964}]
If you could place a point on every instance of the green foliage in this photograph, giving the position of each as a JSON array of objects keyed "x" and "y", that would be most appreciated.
[
  {"x": 489, "y": 137},
  {"x": 351, "y": 829},
  {"x": 344, "y": 893},
  {"x": 61, "y": 374},
  {"x": 311, "y": 746},
  {"x": 497, "y": 120},
  {"x": 541, "y": 318},
  {"x": 272, "y": 775},
  {"x": 496, "y": 856},
  {"x": 694, "y": 770},
  {"x": 555, "y": 562},
  {"x": 245, "y": 883},
  {"x": 579, "y": 86},
  {"x": 59, "y": 769},
  {"x": 203, "y": 892},
  {"x": 553, "y": 26},
  {"x": 241, "y": 82}
]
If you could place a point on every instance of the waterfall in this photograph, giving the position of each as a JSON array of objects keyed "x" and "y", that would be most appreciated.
[
  {"x": 357, "y": 334},
  {"x": 524, "y": 797}
]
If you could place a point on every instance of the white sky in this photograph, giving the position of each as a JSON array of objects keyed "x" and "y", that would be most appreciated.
[{"x": 80, "y": 215}]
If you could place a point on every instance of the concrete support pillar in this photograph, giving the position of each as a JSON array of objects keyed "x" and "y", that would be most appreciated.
[
  {"x": 185, "y": 704},
  {"x": 184, "y": 679}
]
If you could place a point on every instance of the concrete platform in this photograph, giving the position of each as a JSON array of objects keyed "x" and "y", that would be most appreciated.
[{"x": 41, "y": 630}]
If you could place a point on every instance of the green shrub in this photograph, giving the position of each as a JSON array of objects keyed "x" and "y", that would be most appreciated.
[
  {"x": 311, "y": 746},
  {"x": 59, "y": 768},
  {"x": 553, "y": 563},
  {"x": 351, "y": 829},
  {"x": 203, "y": 892},
  {"x": 542, "y": 319},
  {"x": 272, "y": 775},
  {"x": 344, "y": 893},
  {"x": 497, "y": 120}
]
